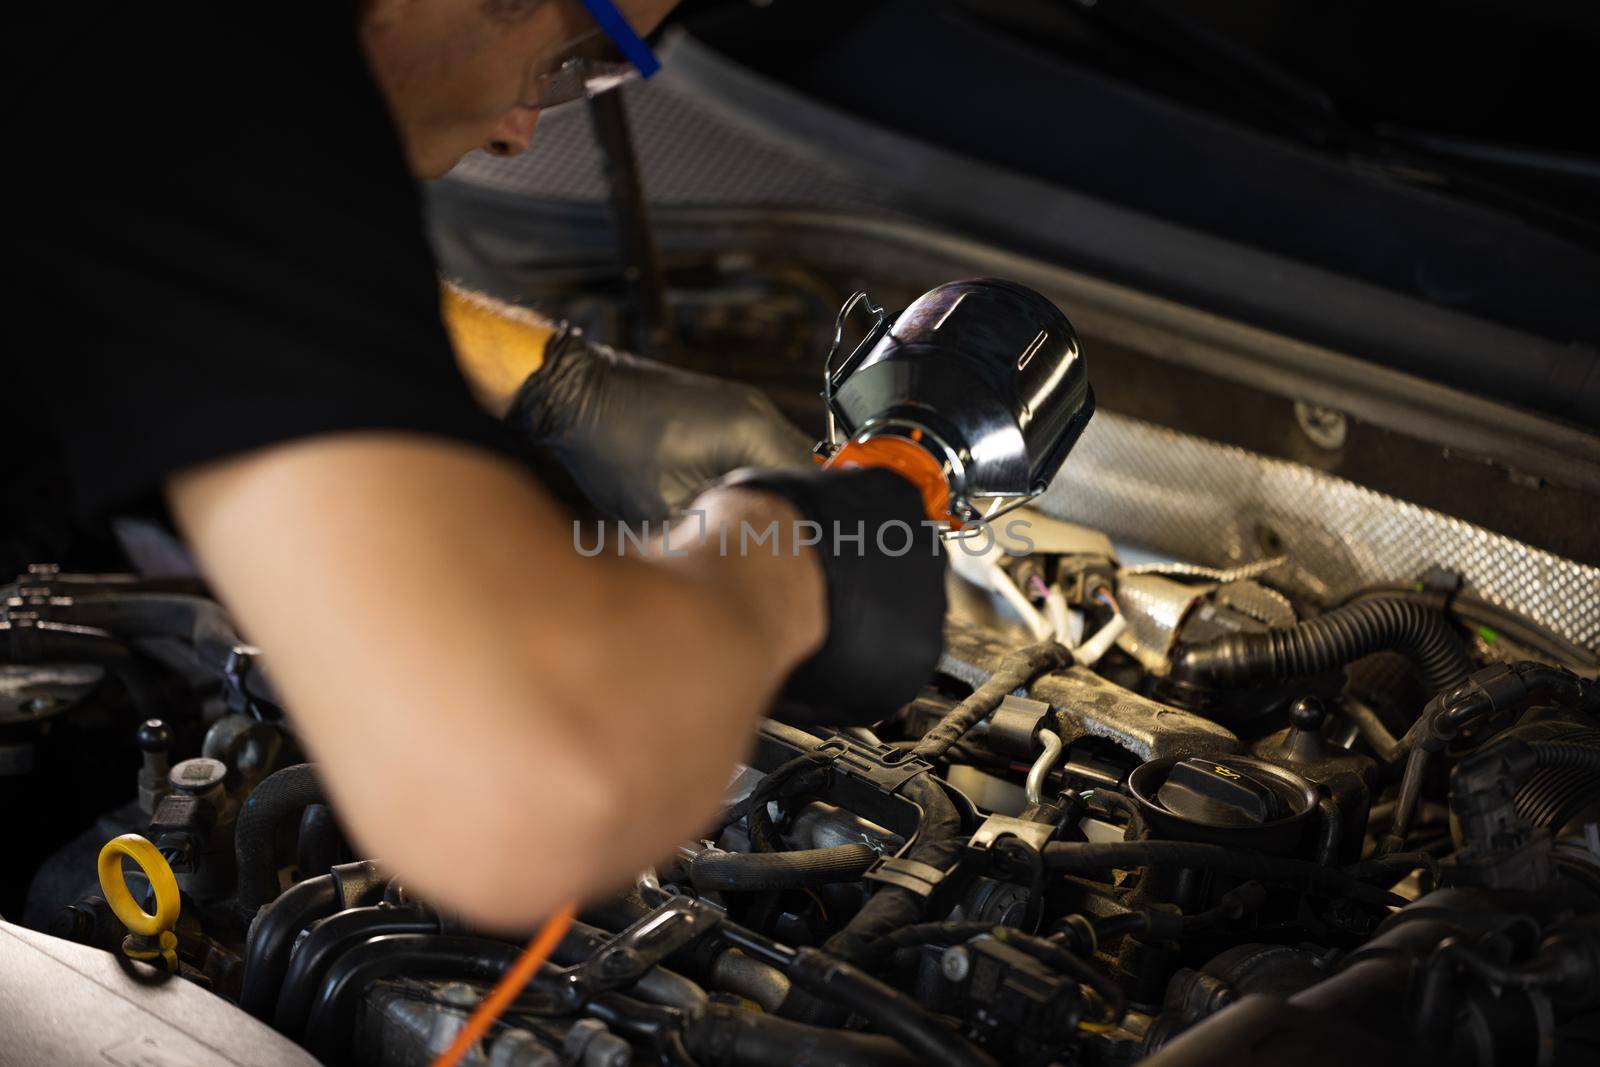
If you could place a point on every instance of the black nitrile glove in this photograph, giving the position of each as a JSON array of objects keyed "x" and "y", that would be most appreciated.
[
  {"x": 639, "y": 438},
  {"x": 885, "y": 607}
]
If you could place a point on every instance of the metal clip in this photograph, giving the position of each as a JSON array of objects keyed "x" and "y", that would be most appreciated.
[
  {"x": 830, "y": 376},
  {"x": 629, "y": 956},
  {"x": 914, "y": 876}
]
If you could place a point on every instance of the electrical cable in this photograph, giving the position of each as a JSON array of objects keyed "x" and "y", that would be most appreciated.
[
  {"x": 1090, "y": 652},
  {"x": 1055, "y": 606},
  {"x": 509, "y": 987},
  {"x": 1002, "y": 584},
  {"x": 984, "y": 571},
  {"x": 1016, "y": 670}
]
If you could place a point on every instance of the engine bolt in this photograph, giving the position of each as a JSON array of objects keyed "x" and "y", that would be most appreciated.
[
  {"x": 956, "y": 963},
  {"x": 1326, "y": 427},
  {"x": 458, "y": 995},
  {"x": 620, "y": 960}
]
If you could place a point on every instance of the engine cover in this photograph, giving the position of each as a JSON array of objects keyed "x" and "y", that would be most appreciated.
[{"x": 68, "y": 1003}]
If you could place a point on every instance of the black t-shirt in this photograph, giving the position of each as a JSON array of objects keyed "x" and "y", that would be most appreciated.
[{"x": 218, "y": 247}]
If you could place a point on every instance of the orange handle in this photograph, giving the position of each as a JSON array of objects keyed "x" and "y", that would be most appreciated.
[
  {"x": 909, "y": 460},
  {"x": 509, "y": 987}
]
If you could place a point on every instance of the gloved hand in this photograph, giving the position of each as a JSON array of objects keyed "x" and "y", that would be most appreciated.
[
  {"x": 885, "y": 589},
  {"x": 640, "y": 438}
]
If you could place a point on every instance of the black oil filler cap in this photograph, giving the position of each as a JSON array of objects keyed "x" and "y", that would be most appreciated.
[
  {"x": 1225, "y": 799},
  {"x": 1216, "y": 794}
]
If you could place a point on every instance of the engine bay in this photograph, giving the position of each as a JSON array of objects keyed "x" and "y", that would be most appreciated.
[
  {"x": 1147, "y": 811},
  {"x": 1265, "y": 728}
]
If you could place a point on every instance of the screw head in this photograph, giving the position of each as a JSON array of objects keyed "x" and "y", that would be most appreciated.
[
  {"x": 956, "y": 963},
  {"x": 1326, "y": 427},
  {"x": 621, "y": 960}
]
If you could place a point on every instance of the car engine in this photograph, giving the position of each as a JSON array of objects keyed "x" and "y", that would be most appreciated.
[
  {"x": 1149, "y": 810},
  {"x": 1268, "y": 732}
]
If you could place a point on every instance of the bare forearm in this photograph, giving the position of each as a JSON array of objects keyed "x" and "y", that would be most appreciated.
[
  {"x": 501, "y": 719},
  {"x": 497, "y": 345}
]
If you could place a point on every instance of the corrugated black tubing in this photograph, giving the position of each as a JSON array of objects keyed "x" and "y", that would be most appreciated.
[
  {"x": 741, "y": 872},
  {"x": 1341, "y": 636},
  {"x": 1556, "y": 793},
  {"x": 1566, "y": 755}
]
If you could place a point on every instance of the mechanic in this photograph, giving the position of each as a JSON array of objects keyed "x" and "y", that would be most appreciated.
[{"x": 232, "y": 312}]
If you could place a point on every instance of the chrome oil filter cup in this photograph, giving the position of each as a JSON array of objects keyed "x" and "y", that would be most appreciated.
[{"x": 986, "y": 374}]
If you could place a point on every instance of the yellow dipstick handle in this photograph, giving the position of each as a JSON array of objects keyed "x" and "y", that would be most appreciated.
[{"x": 162, "y": 882}]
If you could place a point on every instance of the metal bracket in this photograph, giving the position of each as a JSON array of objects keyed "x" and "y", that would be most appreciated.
[
  {"x": 1014, "y": 724},
  {"x": 1034, "y": 834},
  {"x": 625, "y": 959}
]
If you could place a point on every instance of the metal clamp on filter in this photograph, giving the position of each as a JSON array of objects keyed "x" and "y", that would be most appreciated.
[
  {"x": 975, "y": 394},
  {"x": 150, "y": 937}
]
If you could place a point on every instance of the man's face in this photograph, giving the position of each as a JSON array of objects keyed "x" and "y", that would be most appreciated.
[{"x": 454, "y": 71}]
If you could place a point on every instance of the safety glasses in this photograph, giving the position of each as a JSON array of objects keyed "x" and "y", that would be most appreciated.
[{"x": 600, "y": 59}]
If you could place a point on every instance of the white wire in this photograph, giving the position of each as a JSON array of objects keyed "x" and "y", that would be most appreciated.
[
  {"x": 1001, "y": 583},
  {"x": 985, "y": 572},
  {"x": 1055, "y": 606},
  {"x": 1090, "y": 651}
]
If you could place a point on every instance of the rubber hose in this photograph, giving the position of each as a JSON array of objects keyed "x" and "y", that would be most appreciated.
[
  {"x": 327, "y": 941},
  {"x": 1345, "y": 634},
  {"x": 886, "y": 1008},
  {"x": 743, "y": 872},
  {"x": 331, "y": 1022},
  {"x": 272, "y": 937},
  {"x": 317, "y": 841},
  {"x": 1372, "y": 730},
  {"x": 1088, "y": 858},
  {"x": 278, "y": 801},
  {"x": 735, "y": 972},
  {"x": 725, "y": 1036}
]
